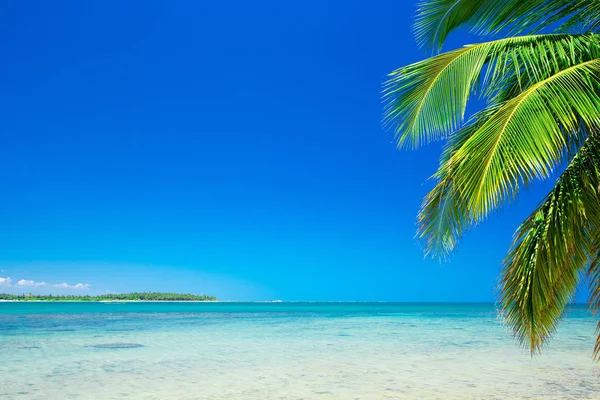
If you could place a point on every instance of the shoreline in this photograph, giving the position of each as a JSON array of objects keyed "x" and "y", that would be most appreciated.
[{"x": 111, "y": 301}]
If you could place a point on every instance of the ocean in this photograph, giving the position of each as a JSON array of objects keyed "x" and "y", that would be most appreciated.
[{"x": 226, "y": 350}]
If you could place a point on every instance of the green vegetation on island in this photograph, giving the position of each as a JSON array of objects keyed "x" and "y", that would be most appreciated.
[
  {"x": 539, "y": 92},
  {"x": 135, "y": 296}
]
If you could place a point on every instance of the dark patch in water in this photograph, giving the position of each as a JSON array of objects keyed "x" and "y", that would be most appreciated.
[
  {"x": 30, "y": 347},
  {"x": 116, "y": 345},
  {"x": 120, "y": 329}
]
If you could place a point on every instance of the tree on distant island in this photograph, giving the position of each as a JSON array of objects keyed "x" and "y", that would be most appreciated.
[
  {"x": 135, "y": 296},
  {"x": 541, "y": 117}
]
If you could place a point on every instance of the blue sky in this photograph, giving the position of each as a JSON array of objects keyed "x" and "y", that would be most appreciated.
[{"x": 231, "y": 148}]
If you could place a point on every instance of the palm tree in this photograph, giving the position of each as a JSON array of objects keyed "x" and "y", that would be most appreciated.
[{"x": 541, "y": 120}]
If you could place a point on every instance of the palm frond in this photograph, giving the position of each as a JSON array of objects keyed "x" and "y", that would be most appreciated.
[
  {"x": 527, "y": 137},
  {"x": 593, "y": 273},
  {"x": 579, "y": 15},
  {"x": 427, "y": 100},
  {"x": 443, "y": 219},
  {"x": 436, "y": 19},
  {"x": 445, "y": 213},
  {"x": 551, "y": 250},
  {"x": 594, "y": 287}
]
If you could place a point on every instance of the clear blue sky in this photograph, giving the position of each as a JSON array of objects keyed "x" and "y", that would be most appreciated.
[{"x": 232, "y": 148}]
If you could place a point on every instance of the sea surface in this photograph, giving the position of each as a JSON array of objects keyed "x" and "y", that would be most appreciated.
[{"x": 285, "y": 350}]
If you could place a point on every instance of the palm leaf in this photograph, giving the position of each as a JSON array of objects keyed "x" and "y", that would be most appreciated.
[
  {"x": 427, "y": 100},
  {"x": 551, "y": 249},
  {"x": 527, "y": 137},
  {"x": 436, "y": 19},
  {"x": 594, "y": 286},
  {"x": 443, "y": 219},
  {"x": 579, "y": 15},
  {"x": 593, "y": 273},
  {"x": 446, "y": 212}
]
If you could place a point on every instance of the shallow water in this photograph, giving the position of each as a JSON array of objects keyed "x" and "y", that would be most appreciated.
[{"x": 284, "y": 351}]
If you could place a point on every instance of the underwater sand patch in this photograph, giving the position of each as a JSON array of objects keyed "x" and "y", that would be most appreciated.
[{"x": 116, "y": 345}]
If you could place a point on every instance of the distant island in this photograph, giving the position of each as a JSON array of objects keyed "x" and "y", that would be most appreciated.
[{"x": 135, "y": 296}]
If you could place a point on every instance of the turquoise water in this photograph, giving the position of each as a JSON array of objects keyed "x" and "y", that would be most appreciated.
[{"x": 284, "y": 351}]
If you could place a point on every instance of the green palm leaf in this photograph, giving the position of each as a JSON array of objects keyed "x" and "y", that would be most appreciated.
[
  {"x": 427, "y": 100},
  {"x": 552, "y": 249},
  {"x": 594, "y": 286},
  {"x": 443, "y": 218},
  {"x": 593, "y": 273},
  {"x": 436, "y": 19},
  {"x": 527, "y": 137}
]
